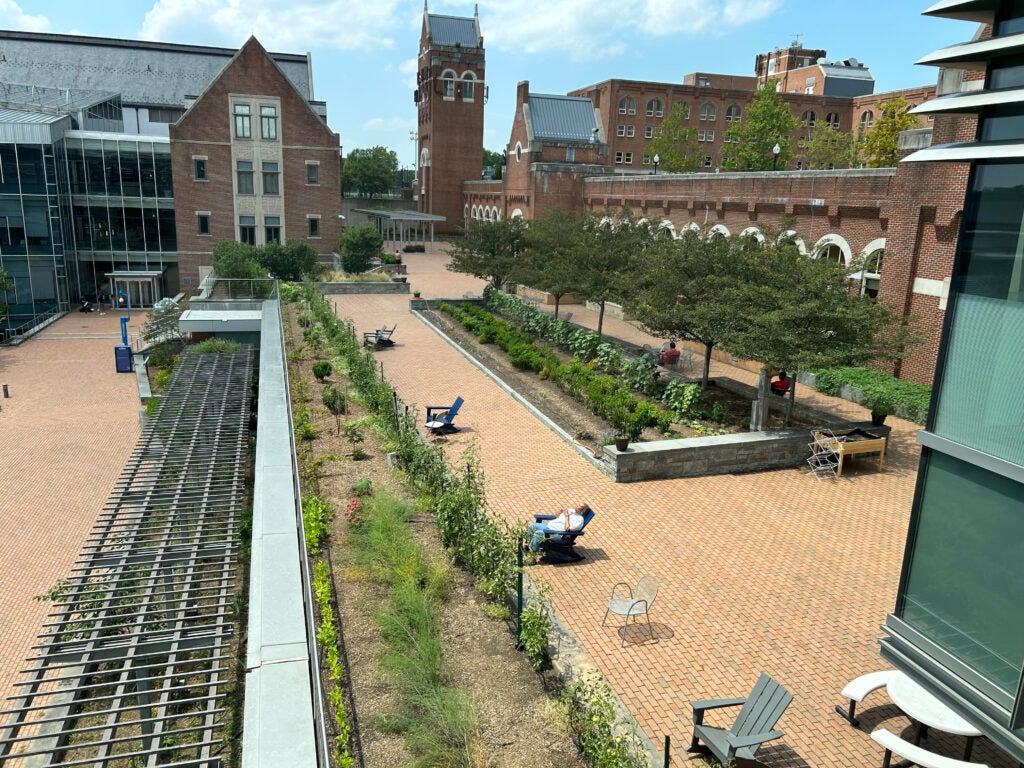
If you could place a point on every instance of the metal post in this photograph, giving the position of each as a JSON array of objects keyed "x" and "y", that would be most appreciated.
[
  {"x": 6, "y": 393},
  {"x": 519, "y": 597},
  {"x": 668, "y": 750}
]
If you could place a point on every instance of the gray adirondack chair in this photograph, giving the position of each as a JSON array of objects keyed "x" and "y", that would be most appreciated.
[{"x": 753, "y": 726}]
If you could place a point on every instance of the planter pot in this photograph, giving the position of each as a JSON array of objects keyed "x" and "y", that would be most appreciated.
[
  {"x": 878, "y": 419},
  {"x": 621, "y": 443},
  {"x": 415, "y": 294},
  {"x": 399, "y": 278}
]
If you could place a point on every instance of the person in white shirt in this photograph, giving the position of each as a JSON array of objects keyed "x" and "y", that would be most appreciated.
[{"x": 568, "y": 519}]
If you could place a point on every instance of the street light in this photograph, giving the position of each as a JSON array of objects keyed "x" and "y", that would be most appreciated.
[
  {"x": 775, "y": 154},
  {"x": 656, "y": 160}
]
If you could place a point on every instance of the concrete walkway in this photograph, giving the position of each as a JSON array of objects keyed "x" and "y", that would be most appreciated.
[{"x": 773, "y": 571}]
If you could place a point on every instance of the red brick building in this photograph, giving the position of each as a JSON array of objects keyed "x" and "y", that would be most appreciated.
[
  {"x": 450, "y": 95},
  {"x": 253, "y": 162}
]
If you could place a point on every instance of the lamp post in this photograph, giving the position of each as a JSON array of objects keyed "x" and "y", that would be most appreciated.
[
  {"x": 775, "y": 154},
  {"x": 656, "y": 160}
]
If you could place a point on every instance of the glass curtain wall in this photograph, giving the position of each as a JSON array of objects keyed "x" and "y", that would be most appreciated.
[
  {"x": 121, "y": 203},
  {"x": 31, "y": 243}
]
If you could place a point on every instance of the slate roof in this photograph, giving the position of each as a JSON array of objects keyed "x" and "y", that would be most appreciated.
[
  {"x": 157, "y": 74},
  {"x": 561, "y": 118},
  {"x": 449, "y": 30}
]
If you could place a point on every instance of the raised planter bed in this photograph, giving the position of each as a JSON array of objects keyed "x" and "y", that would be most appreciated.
[
  {"x": 719, "y": 455},
  {"x": 352, "y": 288}
]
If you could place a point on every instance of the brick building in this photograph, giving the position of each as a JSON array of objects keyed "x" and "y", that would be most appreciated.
[
  {"x": 253, "y": 162},
  {"x": 450, "y": 96}
]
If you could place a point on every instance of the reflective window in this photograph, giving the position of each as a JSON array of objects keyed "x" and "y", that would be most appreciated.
[
  {"x": 272, "y": 225},
  {"x": 271, "y": 179},
  {"x": 247, "y": 230},
  {"x": 200, "y": 174},
  {"x": 243, "y": 121},
  {"x": 979, "y": 388},
  {"x": 203, "y": 221},
  {"x": 268, "y": 123},
  {"x": 245, "y": 178},
  {"x": 467, "y": 87},
  {"x": 312, "y": 173},
  {"x": 967, "y": 516}
]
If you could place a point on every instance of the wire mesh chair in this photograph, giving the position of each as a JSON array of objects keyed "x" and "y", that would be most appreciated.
[{"x": 824, "y": 458}]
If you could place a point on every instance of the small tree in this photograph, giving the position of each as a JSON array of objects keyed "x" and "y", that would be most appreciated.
[
  {"x": 291, "y": 261},
  {"x": 554, "y": 248},
  {"x": 358, "y": 245},
  {"x": 676, "y": 146},
  {"x": 334, "y": 401},
  {"x": 233, "y": 260},
  {"x": 768, "y": 122},
  {"x": 881, "y": 145},
  {"x": 491, "y": 250}
]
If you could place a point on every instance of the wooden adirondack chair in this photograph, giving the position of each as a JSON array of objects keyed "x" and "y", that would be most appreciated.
[
  {"x": 560, "y": 546},
  {"x": 439, "y": 417},
  {"x": 753, "y": 726}
]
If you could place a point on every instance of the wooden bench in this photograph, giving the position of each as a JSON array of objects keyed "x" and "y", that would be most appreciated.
[
  {"x": 860, "y": 687},
  {"x": 915, "y": 754}
]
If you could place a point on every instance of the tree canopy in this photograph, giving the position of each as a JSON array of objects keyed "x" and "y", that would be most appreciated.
[
  {"x": 767, "y": 122},
  {"x": 490, "y": 250},
  {"x": 827, "y": 147},
  {"x": 291, "y": 261},
  {"x": 555, "y": 245},
  {"x": 881, "y": 144},
  {"x": 232, "y": 259},
  {"x": 494, "y": 161},
  {"x": 358, "y": 245},
  {"x": 369, "y": 171},
  {"x": 676, "y": 146}
]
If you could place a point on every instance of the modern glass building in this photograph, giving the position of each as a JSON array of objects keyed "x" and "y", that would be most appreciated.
[{"x": 958, "y": 625}]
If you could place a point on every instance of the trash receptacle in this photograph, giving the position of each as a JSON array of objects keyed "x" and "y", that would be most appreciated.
[{"x": 123, "y": 358}]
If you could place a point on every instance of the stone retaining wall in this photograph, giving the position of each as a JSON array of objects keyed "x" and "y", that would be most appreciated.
[
  {"x": 718, "y": 455},
  {"x": 350, "y": 288}
]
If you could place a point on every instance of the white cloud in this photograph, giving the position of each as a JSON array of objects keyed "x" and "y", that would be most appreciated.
[
  {"x": 15, "y": 18},
  {"x": 409, "y": 68},
  {"x": 281, "y": 25},
  {"x": 387, "y": 124},
  {"x": 586, "y": 30}
]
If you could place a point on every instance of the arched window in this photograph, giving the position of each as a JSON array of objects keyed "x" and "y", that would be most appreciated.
[
  {"x": 867, "y": 119},
  {"x": 519, "y": 151},
  {"x": 627, "y": 105},
  {"x": 424, "y": 157},
  {"x": 734, "y": 114},
  {"x": 871, "y": 274},
  {"x": 832, "y": 120},
  {"x": 707, "y": 112},
  {"x": 468, "y": 86},
  {"x": 685, "y": 105},
  {"x": 654, "y": 108},
  {"x": 448, "y": 85},
  {"x": 808, "y": 119},
  {"x": 831, "y": 252}
]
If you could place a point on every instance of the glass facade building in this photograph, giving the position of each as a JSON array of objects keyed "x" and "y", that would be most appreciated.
[
  {"x": 32, "y": 251},
  {"x": 958, "y": 625}
]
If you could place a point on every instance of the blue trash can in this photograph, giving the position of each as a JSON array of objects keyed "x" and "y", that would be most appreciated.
[{"x": 123, "y": 358}]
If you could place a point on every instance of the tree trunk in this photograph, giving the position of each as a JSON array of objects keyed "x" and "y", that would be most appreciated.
[
  {"x": 558, "y": 300},
  {"x": 600, "y": 318},
  {"x": 707, "y": 365},
  {"x": 792, "y": 399}
]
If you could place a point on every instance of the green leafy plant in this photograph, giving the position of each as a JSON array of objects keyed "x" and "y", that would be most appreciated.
[
  {"x": 363, "y": 486},
  {"x": 354, "y": 434},
  {"x": 536, "y": 624},
  {"x": 322, "y": 369},
  {"x": 317, "y": 515},
  {"x": 604, "y": 741}
]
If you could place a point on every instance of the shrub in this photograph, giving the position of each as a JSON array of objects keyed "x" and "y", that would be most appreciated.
[
  {"x": 414, "y": 248},
  {"x": 358, "y": 245},
  {"x": 291, "y": 261},
  {"x": 881, "y": 392},
  {"x": 216, "y": 347},
  {"x": 322, "y": 369},
  {"x": 232, "y": 259}
]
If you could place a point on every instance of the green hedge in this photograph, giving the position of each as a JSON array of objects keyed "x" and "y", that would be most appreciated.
[{"x": 882, "y": 393}]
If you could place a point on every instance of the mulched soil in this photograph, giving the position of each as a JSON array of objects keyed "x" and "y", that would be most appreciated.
[{"x": 518, "y": 724}]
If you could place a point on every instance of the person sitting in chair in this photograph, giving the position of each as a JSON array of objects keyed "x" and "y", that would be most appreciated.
[
  {"x": 568, "y": 519},
  {"x": 669, "y": 356},
  {"x": 781, "y": 387}
]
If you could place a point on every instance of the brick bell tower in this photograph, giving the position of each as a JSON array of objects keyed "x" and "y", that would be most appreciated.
[{"x": 450, "y": 96}]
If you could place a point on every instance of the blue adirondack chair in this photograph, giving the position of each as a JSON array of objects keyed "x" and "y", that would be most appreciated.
[
  {"x": 560, "y": 546},
  {"x": 439, "y": 417},
  {"x": 753, "y": 726}
]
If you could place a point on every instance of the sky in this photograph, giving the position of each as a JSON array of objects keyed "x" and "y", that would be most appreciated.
[{"x": 364, "y": 51}]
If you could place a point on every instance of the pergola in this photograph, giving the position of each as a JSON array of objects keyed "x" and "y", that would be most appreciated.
[{"x": 398, "y": 227}]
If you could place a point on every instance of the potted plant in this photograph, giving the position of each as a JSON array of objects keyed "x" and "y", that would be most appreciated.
[
  {"x": 627, "y": 427},
  {"x": 880, "y": 408},
  {"x": 415, "y": 294}
]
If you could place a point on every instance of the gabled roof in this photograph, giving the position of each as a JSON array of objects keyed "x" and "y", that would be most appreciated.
[
  {"x": 453, "y": 30},
  {"x": 562, "y": 118}
]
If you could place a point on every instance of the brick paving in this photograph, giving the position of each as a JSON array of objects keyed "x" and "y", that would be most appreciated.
[
  {"x": 773, "y": 571},
  {"x": 65, "y": 433}
]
